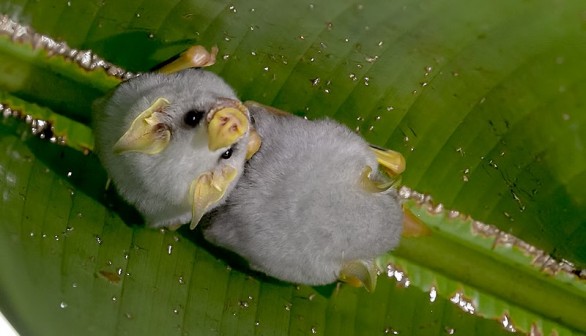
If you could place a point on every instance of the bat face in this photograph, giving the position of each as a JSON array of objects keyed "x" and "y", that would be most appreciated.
[{"x": 173, "y": 144}]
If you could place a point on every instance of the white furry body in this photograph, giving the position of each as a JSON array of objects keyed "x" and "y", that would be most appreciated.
[
  {"x": 158, "y": 185},
  {"x": 298, "y": 212}
]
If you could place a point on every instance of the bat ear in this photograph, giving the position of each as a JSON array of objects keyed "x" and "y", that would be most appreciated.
[
  {"x": 381, "y": 184},
  {"x": 147, "y": 133},
  {"x": 359, "y": 273},
  {"x": 208, "y": 189},
  {"x": 253, "y": 145},
  {"x": 393, "y": 163}
]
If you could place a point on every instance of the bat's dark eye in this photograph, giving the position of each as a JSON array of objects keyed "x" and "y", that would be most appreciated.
[
  {"x": 227, "y": 154},
  {"x": 192, "y": 118}
]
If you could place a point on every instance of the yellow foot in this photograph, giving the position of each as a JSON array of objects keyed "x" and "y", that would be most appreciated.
[{"x": 194, "y": 57}]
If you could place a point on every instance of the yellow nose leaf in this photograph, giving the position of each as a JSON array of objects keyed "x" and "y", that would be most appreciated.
[{"x": 226, "y": 127}]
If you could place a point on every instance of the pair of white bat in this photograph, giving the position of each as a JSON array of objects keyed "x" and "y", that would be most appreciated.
[{"x": 302, "y": 201}]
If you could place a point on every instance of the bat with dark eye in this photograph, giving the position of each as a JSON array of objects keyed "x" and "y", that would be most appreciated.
[
  {"x": 312, "y": 206},
  {"x": 173, "y": 144}
]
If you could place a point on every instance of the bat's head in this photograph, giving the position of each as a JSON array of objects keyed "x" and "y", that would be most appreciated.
[{"x": 185, "y": 133}]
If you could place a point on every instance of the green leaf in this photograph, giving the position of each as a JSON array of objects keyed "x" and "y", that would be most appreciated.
[{"x": 484, "y": 100}]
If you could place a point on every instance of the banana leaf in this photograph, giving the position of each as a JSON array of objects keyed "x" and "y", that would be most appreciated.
[{"x": 484, "y": 100}]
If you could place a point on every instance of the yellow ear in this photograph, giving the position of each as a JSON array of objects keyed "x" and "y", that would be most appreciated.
[
  {"x": 253, "y": 145},
  {"x": 393, "y": 163},
  {"x": 147, "y": 134},
  {"x": 359, "y": 273},
  {"x": 207, "y": 190}
]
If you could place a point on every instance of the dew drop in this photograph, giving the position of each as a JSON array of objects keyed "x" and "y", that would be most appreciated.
[
  {"x": 226, "y": 56},
  {"x": 507, "y": 324},
  {"x": 69, "y": 174},
  {"x": 169, "y": 249},
  {"x": 114, "y": 299},
  {"x": 74, "y": 285},
  {"x": 175, "y": 311},
  {"x": 232, "y": 9},
  {"x": 98, "y": 239},
  {"x": 137, "y": 15},
  {"x": 313, "y": 330},
  {"x": 266, "y": 68},
  {"x": 311, "y": 297},
  {"x": 450, "y": 331},
  {"x": 128, "y": 316},
  {"x": 315, "y": 81},
  {"x": 370, "y": 59},
  {"x": 63, "y": 304},
  {"x": 257, "y": 323},
  {"x": 243, "y": 304},
  {"x": 68, "y": 3},
  {"x": 464, "y": 303},
  {"x": 181, "y": 281},
  {"x": 253, "y": 53},
  {"x": 432, "y": 294},
  {"x": 288, "y": 306}
]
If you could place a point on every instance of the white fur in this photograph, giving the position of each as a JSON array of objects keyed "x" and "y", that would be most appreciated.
[
  {"x": 298, "y": 212},
  {"x": 158, "y": 185}
]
